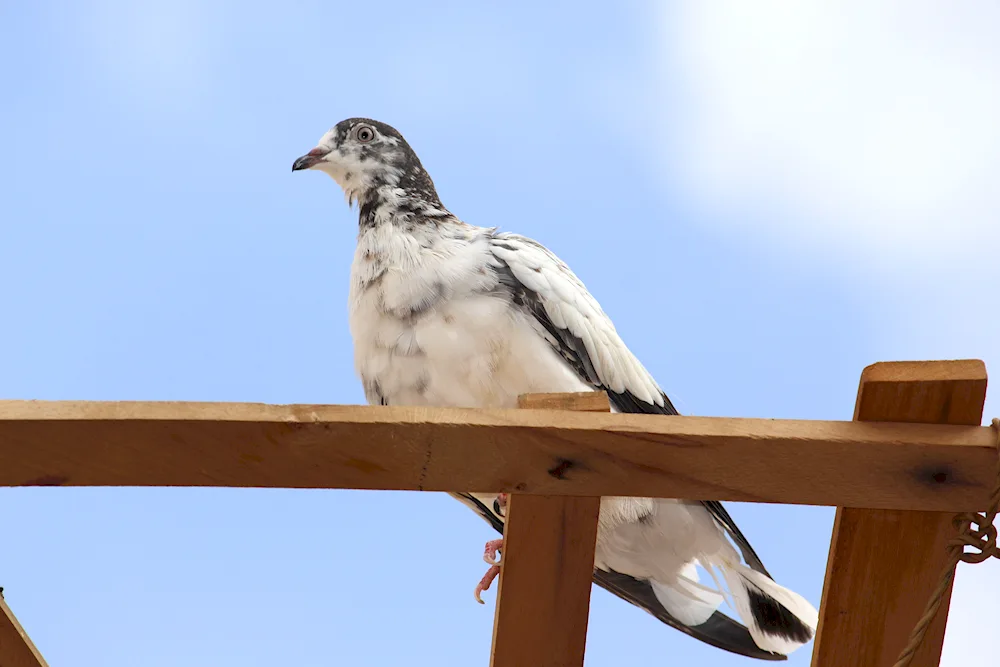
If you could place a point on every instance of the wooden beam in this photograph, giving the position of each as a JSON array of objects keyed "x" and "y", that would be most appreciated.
[
  {"x": 16, "y": 648},
  {"x": 543, "y": 602},
  {"x": 546, "y": 452},
  {"x": 884, "y": 564},
  {"x": 590, "y": 401}
]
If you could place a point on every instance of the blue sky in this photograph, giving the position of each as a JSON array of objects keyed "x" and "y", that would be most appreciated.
[{"x": 765, "y": 202}]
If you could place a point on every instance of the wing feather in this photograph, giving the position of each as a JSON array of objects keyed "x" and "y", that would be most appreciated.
[{"x": 578, "y": 329}]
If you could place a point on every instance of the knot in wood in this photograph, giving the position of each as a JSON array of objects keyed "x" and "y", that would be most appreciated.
[{"x": 559, "y": 470}]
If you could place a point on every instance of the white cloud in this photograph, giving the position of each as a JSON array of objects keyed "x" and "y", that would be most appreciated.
[
  {"x": 863, "y": 128},
  {"x": 845, "y": 131},
  {"x": 834, "y": 132}
]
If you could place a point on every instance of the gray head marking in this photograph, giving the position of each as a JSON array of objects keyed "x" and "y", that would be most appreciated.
[{"x": 364, "y": 156}]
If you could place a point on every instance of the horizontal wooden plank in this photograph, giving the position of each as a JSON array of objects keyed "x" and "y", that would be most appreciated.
[{"x": 546, "y": 452}]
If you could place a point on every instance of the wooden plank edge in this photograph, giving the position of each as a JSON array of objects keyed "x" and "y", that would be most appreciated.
[{"x": 16, "y": 647}]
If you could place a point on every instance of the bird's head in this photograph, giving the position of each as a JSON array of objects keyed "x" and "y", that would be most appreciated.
[{"x": 364, "y": 156}]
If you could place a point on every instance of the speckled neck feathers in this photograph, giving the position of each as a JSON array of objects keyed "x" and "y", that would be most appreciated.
[
  {"x": 395, "y": 188},
  {"x": 404, "y": 207}
]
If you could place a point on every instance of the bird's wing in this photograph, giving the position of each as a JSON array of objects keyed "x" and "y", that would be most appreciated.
[
  {"x": 719, "y": 630},
  {"x": 572, "y": 322},
  {"x": 570, "y": 319}
]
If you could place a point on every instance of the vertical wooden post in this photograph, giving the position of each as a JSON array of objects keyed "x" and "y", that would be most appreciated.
[
  {"x": 543, "y": 600},
  {"x": 16, "y": 648},
  {"x": 884, "y": 564}
]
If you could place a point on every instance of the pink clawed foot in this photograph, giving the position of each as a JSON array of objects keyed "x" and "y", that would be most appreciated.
[
  {"x": 492, "y": 549},
  {"x": 490, "y": 552},
  {"x": 490, "y": 556},
  {"x": 484, "y": 583}
]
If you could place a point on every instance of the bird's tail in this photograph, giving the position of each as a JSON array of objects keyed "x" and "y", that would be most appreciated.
[
  {"x": 687, "y": 600},
  {"x": 779, "y": 620}
]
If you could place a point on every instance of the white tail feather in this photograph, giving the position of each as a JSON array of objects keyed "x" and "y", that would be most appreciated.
[
  {"x": 743, "y": 583},
  {"x": 685, "y": 599}
]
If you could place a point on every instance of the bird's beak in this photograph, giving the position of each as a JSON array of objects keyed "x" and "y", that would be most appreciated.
[{"x": 310, "y": 159}]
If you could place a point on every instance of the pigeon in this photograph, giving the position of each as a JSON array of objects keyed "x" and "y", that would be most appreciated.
[{"x": 444, "y": 313}]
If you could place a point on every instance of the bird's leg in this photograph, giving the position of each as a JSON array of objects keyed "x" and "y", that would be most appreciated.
[
  {"x": 490, "y": 556},
  {"x": 490, "y": 552}
]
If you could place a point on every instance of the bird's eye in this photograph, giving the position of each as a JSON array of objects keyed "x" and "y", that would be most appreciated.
[{"x": 364, "y": 134}]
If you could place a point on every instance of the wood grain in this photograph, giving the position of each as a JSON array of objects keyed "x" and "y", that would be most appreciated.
[
  {"x": 884, "y": 564},
  {"x": 16, "y": 648},
  {"x": 588, "y": 401},
  {"x": 543, "y": 602},
  {"x": 544, "y": 452}
]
